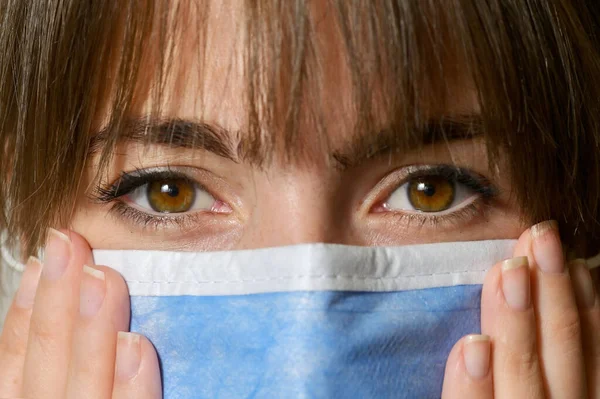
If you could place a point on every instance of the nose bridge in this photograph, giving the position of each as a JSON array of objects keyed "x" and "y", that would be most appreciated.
[{"x": 295, "y": 210}]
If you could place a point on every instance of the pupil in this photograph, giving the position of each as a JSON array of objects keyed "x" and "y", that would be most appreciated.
[
  {"x": 426, "y": 188},
  {"x": 170, "y": 189}
]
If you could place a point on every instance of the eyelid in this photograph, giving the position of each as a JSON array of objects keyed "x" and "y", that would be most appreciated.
[
  {"x": 130, "y": 181},
  {"x": 115, "y": 195},
  {"x": 462, "y": 175},
  {"x": 394, "y": 180},
  {"x": 127, "y": 182}
]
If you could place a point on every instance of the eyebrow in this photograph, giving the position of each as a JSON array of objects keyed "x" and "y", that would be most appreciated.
[
  {"x": 178, "y": 133},
  {"x": 188, "y": 134},
  {"x": 386, "y": 141}
]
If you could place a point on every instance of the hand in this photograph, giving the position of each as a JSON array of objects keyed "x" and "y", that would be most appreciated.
[
  {"x": 63, "y": 336},
  {"x": 542, "y": 324}
]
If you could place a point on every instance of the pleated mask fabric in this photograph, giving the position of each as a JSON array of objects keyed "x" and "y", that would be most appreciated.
[{"x": 307, "y": 321}]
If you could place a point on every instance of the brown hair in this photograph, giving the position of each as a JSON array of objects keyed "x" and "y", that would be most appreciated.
[{"x": 535, "y": 65}]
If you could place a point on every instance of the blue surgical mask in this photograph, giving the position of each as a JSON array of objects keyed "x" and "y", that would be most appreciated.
[{"x": 307, "y": 321}]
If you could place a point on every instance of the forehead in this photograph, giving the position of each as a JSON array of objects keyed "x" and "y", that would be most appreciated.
[{"x": 307, "y": 65}]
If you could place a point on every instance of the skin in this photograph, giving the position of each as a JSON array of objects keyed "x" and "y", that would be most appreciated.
[
  {"x": 60, "y": 336},
  {"x": 287, "y": 202}
]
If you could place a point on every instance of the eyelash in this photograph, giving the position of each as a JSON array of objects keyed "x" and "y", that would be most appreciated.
[
  {"x": 127, "y": 182},
  {"x": 418, "y": 220},
  {"x": 476, "y": 183}
]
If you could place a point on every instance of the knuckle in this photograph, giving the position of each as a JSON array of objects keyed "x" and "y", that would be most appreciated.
[
  {"x": 525, "y": 365},
  {"x": 84, "y": 369},
  {"x": 566, "y": 328},
  {"x": 528, "y": 364},
  {"x": 45, "y": 334},
  {"x": 11, "y": 343}
]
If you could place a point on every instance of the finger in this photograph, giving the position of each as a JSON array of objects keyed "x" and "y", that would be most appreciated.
[
  {"x": 468, "y": 369},
  {"x": 560, "y": 341},
  {"x": 507, "y": 316},
  {"x": 589, "y": 315},
  {"x": 137, "y": 375},
  {"x": 55, "y": 309},
  {"x": 13, "y": 341},
  {"x": 103, "y": 311}
]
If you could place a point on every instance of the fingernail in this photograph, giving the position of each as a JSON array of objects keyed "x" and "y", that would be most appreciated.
[
  {"x": 129, "y": 354},
  {"x": 515, "y": 283},
  {"x": 547, "y": 248},
  {"x": 92, "y": 291},
  {"x": 29, "y": 281},
  {"x": 582, "y": 282},
  {"x": 476, "y": 352},
  {"x": 56, "y": 255}
]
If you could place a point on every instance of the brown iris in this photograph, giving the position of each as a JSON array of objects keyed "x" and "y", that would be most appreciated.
[
  {"x": 431, "y": 193},
  {"x": 171, "y": 195}
]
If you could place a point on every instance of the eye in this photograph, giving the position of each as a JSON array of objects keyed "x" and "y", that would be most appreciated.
[
  {"x": 159, "y": 191},
  {"x": 431, "y": 193},
  {"x": 437, "y": 191},
  {"x": 171, "y": 196}
]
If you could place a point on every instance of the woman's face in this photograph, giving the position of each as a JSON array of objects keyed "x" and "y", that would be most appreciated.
[{"x": 202, "y": 193}]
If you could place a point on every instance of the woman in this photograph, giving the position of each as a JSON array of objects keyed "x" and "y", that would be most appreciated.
[{"x": 211, "y": 126}]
